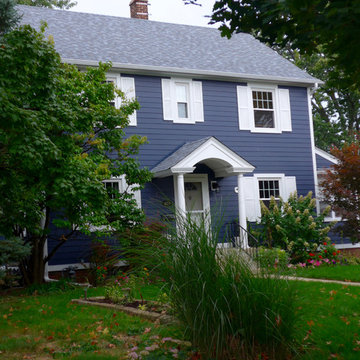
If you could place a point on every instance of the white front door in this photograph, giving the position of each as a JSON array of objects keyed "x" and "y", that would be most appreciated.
[{"x": 197, "y": 197}]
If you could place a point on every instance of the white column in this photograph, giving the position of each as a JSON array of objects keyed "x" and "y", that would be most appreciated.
[
  {"x": 180, "y": 194},
  {"x": 242, "y": 212}
]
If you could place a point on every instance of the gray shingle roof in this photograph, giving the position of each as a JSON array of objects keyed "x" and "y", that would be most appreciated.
[
  {"x": 90, "y": 37},
  {"x": 178, "y": 155}
]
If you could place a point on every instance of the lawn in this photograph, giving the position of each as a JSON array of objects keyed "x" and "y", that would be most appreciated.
[
  {"x": 338, "y": 272},
  {"x": 48, "y": 326}
]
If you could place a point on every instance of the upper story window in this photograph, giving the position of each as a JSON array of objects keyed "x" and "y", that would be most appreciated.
[
  {"x": 264, "y": 108},
  {"x": 263, "y": 104},
  {"x": 127, "y": 86},
  {"x": 182, "y": 100}
]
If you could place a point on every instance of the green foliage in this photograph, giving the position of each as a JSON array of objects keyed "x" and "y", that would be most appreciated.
[
  {"x": 293, "y": 226},
  {"x": 52, "y": 287},
  {"x": 272, "y": 259},
  {"x": 341, "y": 188},
  {"x": 12, "y": 250},
  {"x": 60, "y": 4},
  {"x": 59, "y": 138},
  {"x": 225, "y": 308},
  {"x": 9, "y": 17},
  {"x": 334, "y": 25}
]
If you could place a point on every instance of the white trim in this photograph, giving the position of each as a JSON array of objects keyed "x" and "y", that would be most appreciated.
[
  {"x": 203, "y": 179},
  {"x": 326, "y": 155},
  {"x": 203, "y": 74},
  {"x": 347, "y": 246},
  {"x": 118, "y": 82},
  {"x": 195, "y": 106},
  {"x": 79, "y": 266},
  {"x": 312, "y": 140}
]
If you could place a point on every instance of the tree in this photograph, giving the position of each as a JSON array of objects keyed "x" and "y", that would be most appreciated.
[
  {"x": 341, "y": 188},
  {"x": 9, "y": 18},
  {"x": 59, "y": 139},
  {"x": 61, "y": 4},
  {"x": 336, "y": 107},
  {"x": 334, "y": 24}
]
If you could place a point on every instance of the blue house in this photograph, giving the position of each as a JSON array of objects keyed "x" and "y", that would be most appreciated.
[{"x": 228, "y": 121}]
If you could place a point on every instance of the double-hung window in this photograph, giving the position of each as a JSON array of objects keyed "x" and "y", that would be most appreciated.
[
  {"x": 264, "y": 108},
  {"x": 268, "y": 189},
  {"x": 263, "y": 105},
  {"x": 182, "y": 100},
  {"x": 127, "y": 86}
]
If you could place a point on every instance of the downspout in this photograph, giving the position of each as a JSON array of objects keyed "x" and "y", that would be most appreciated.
[{"x": 312, "y": 139}]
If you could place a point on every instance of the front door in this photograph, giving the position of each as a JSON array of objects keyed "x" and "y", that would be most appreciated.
[{"x": 197, "y": 197}]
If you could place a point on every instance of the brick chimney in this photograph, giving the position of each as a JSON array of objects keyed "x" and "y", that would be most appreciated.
[{"x": 139, "y": 9}]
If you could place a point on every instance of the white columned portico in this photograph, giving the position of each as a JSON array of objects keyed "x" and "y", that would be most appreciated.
[{"x": 242, "y": 212}]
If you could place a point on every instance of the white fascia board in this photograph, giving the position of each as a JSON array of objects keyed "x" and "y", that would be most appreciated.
[
  {"x": 201, "y": 74},
  {"x": 326, "y": 156},
  {"x": 214, "y": 149}
]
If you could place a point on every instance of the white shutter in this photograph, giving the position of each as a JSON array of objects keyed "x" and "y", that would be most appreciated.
[
  {"x": 245, "y": 109},
  {"x": 289, "y": 186},
  {"x": 252, "y": 202},
  {"x": 284, "y": 110},
  {"x": 137, "y": 197},
  {"x": 128, "y": 88},
  {"x": 197, "y": 101},
  {"x": 167, "y": 100}
]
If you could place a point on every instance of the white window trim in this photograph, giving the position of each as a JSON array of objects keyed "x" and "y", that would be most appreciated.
[
  {"x": 287, "y": 185},
  {"x": 266, "y": 88},
  {"x": 123, "y": 186},
  {"x": 246, "y": 108},
  {"x": 195, "y": 101},
  {"x": 117, "y": 79}
]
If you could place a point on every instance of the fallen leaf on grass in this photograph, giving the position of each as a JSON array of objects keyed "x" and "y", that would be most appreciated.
[{"x": 111, "y": 346}]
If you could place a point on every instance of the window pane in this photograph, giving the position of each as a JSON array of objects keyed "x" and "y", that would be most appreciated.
[
  {"x": 181, "y": 93},
  {"x": 182, "y": 110},
  {"x": 268, "y": 188},
  {"x": 264, "y": 119}
]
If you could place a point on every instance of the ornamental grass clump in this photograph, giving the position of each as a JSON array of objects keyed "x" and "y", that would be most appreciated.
[{"x": 228, "y": 311}]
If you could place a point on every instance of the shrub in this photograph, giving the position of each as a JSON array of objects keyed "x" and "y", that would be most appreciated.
[
  {"x": 228, "y": 311},
  {"x": 272, "y": 259},
  {"x": 293, "y": 226}
]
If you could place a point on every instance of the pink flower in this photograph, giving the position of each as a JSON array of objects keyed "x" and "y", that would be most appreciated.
[
  {"x": 133, "y": 355},
  {"x": 302, "y": 265},
  {"x": 317, "y": 263}
]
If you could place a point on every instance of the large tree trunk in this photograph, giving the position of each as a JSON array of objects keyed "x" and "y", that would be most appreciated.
[{"x": 33, "y": 268}]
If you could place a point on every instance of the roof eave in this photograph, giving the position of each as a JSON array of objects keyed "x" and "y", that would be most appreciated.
[{"x": 203, "y": 74}]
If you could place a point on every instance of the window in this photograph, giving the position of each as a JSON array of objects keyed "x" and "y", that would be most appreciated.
[
  {"x": 262, "y": 187},
  {"x": 115, "y": 186},
  {"x": 264, "y": 108},
  {"x": 267, "y": 189},
  {"x": 127, "y": 86},
  {"x": 182, "y": 100}
]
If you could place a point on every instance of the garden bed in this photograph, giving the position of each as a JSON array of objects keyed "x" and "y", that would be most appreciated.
[{"x": 153, "y": 314}]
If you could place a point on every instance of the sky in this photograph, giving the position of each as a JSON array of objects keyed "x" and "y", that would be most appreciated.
[{"x": 173, "y": 11}]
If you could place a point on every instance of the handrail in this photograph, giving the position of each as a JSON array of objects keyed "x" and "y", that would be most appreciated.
[{"x": 249, "y": 233}]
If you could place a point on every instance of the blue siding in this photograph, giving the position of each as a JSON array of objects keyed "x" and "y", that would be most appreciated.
[
  {"x": 288, "y": 153},
  {"x": 322, "y": 163}
]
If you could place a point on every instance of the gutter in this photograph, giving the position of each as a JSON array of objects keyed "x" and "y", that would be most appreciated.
[{"x": 195, "y": 73}]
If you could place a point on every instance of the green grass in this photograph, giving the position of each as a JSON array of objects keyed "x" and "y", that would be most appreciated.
[
  {"x": 329, "y": 318},
  {"x": 338, "y": 272},
  {"x": 49, "y": 326}
]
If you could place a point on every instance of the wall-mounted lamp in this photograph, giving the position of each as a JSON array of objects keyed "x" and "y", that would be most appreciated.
[{"x": 214, "y": 186}]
